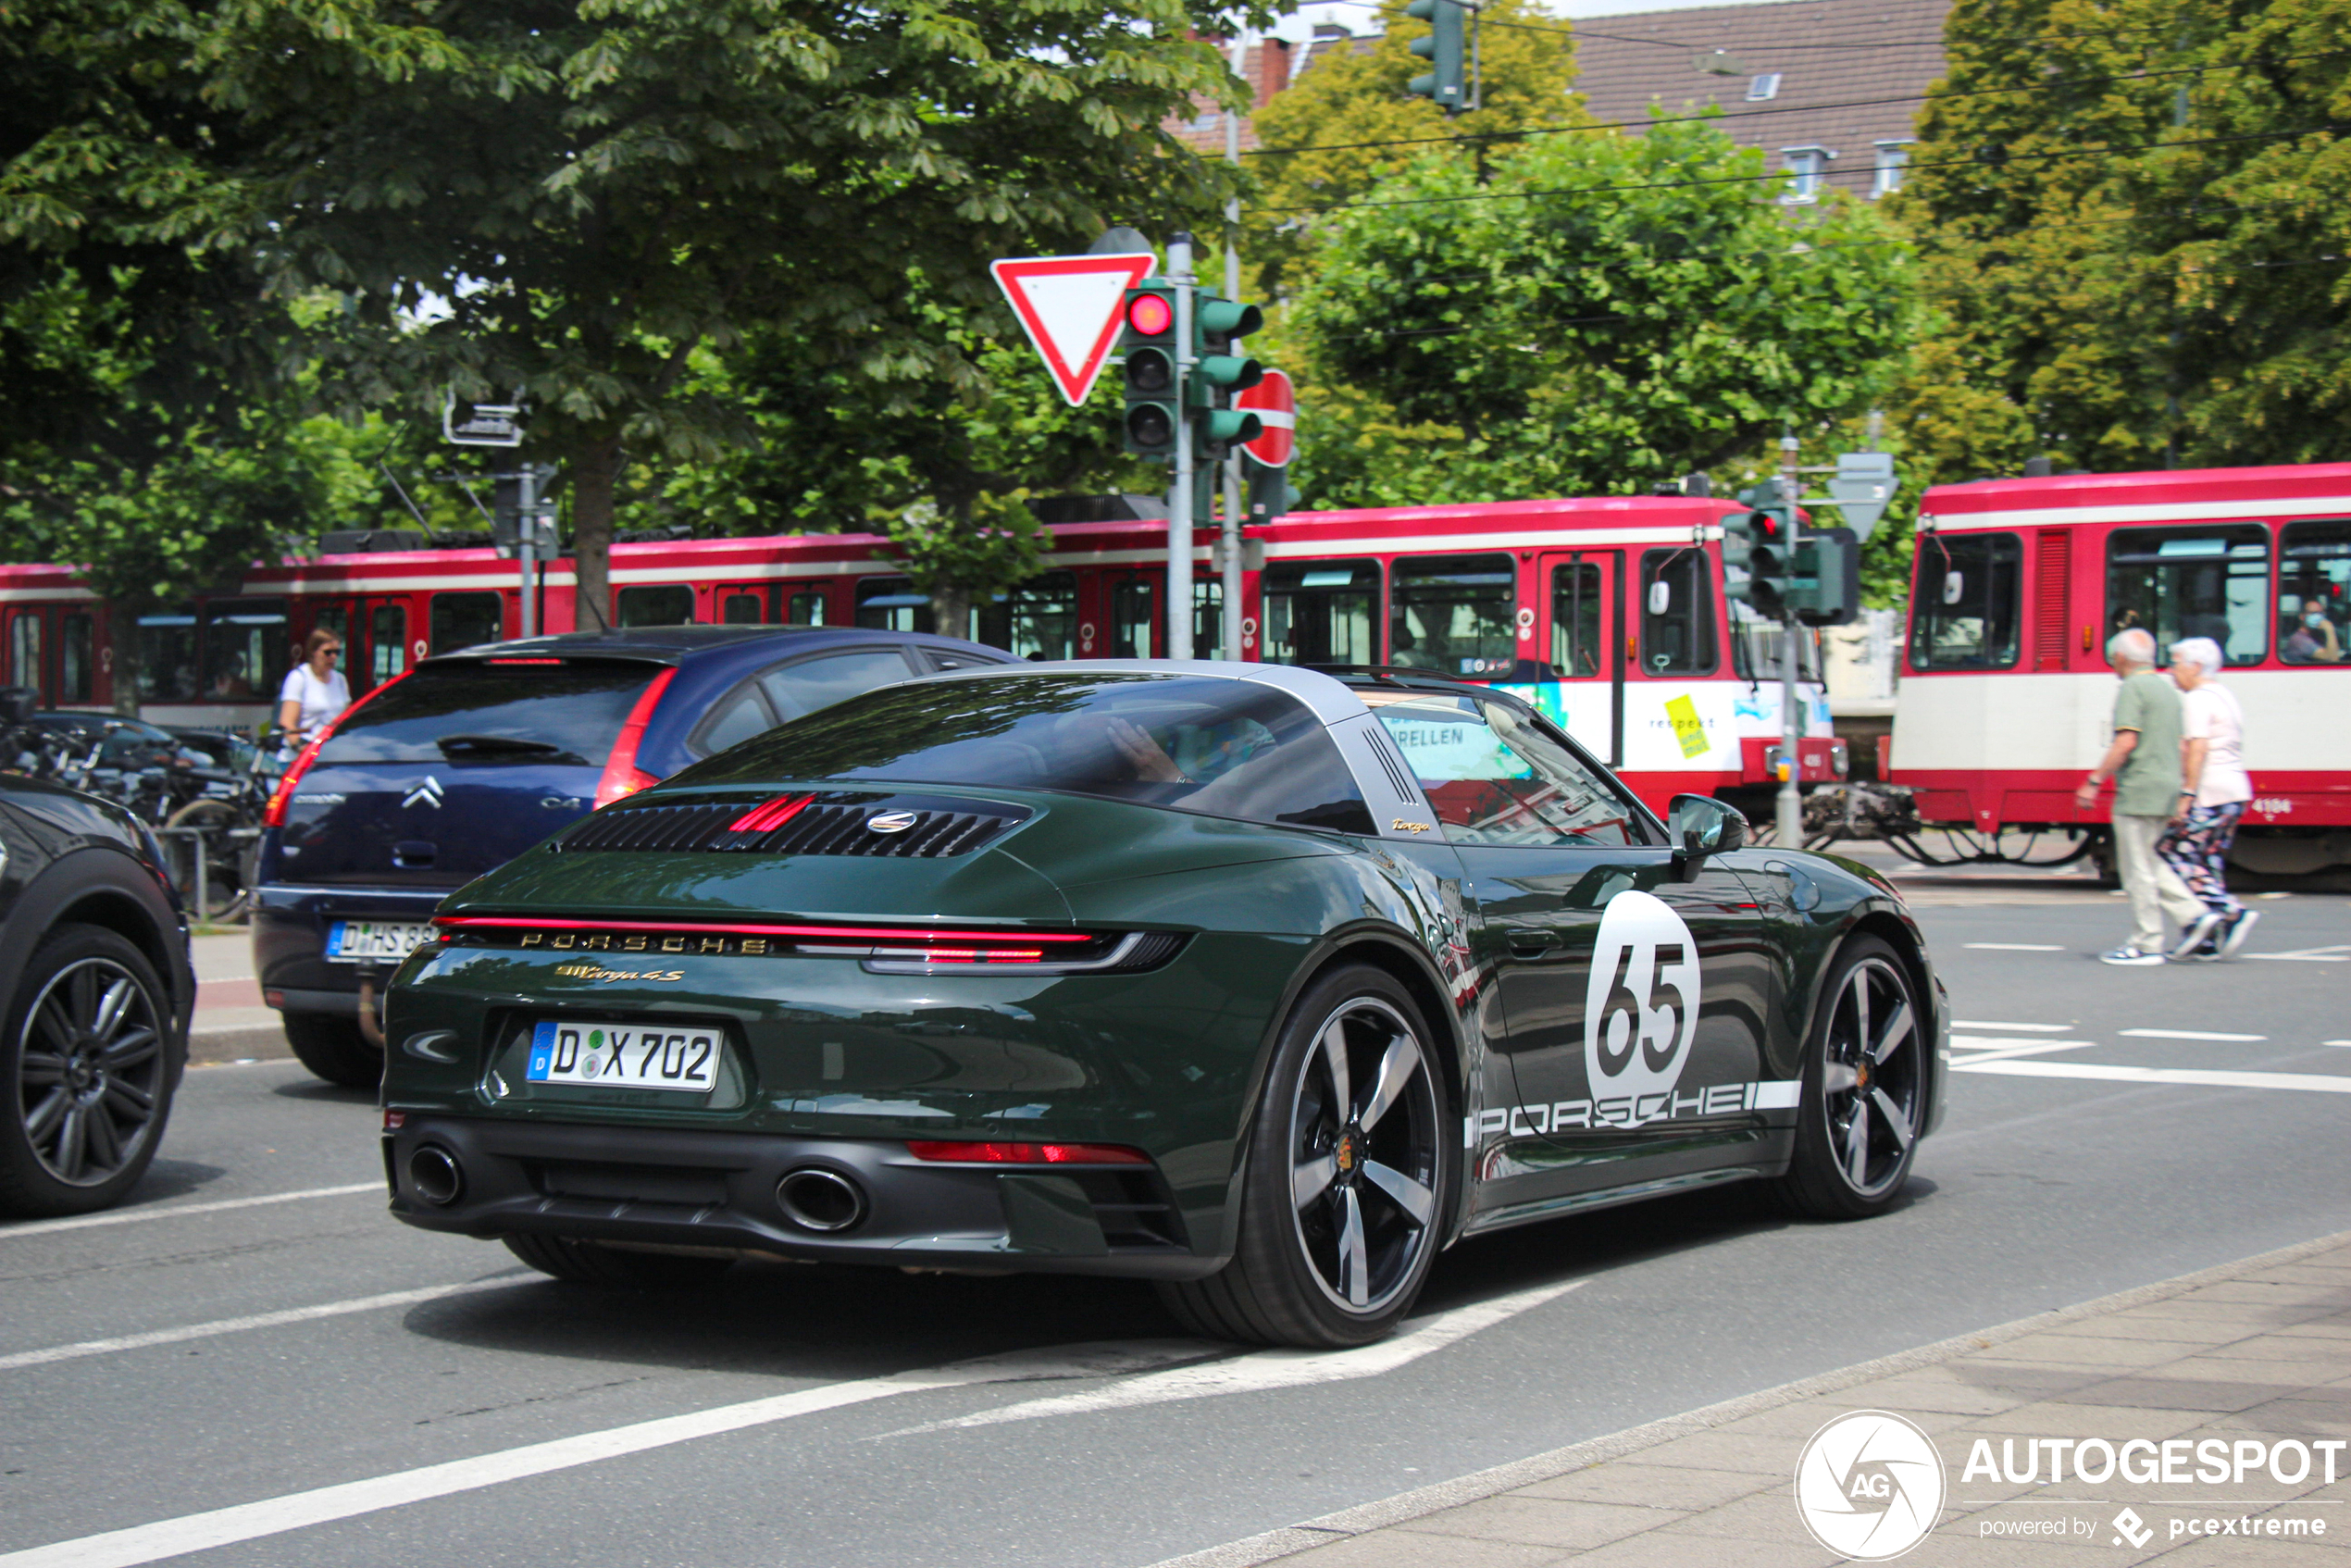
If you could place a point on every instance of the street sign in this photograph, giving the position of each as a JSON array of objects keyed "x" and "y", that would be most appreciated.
[
  {"x": 1864, "y": 484},
  {"x": 1274, "y": 403},
  {"x": 1069, "y": 307},
  {"x": 482, "y": 424}
]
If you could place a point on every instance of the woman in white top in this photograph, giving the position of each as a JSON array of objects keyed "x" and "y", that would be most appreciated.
[
  {"x": 315, "y": 692},
  {"x": 2214, "y": 790}
]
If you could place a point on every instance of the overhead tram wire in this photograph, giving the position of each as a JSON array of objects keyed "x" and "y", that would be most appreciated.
[{"x": 1719, "y": 115}]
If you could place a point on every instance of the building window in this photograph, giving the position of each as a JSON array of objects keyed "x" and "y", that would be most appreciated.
[
  {"x": 1893, "y": 158},
  {"x": 1807, "y": 169},
  {"x": 1764, "y": 88}
]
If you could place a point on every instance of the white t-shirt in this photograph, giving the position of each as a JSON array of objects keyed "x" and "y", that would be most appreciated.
[
  {"x": 320, "y": 700},
  {"x": 2211, "y": 713}
]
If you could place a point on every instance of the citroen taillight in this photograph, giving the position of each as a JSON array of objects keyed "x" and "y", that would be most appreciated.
[{"x": 622, "y": 775}]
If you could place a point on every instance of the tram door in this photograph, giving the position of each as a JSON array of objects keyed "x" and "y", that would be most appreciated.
[
  {"x": 377, "y": 640},
  {"x": 1588, "y": 646},
  {"x": 1131, "y": 624},
  {"x": 49, "y": 648}
]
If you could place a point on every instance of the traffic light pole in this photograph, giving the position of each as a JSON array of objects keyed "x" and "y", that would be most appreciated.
[
  {"x": 1230, "y": 534},
  {"x": 1789, "y": 822},
  {"x": 1179, "y": 486},
  {"x": 526, "y": 539}
]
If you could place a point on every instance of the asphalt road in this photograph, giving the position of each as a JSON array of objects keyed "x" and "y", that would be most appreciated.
[{"x": 252, "y": 1354}]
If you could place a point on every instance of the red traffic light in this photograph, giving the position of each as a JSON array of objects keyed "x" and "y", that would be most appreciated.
[{"x": 1151, "y": 314}]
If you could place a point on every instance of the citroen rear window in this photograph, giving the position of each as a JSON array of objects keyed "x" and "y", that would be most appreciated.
[
  {"x": 1224, "y": 748},
  {"x": 565, "y": 711}
]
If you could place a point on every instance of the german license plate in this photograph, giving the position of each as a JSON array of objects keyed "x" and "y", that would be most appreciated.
[
  {"x": 625, "y": 1055},
  {"x": 367, "y": 942}
]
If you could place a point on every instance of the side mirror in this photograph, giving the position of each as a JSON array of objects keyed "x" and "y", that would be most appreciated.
[
  {"x": 1701, "y": 826},
  {"x": 18, "y": 704},
  {"x": 1660, "y": 597}
]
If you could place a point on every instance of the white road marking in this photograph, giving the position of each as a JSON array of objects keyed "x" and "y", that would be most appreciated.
[
  {"x": 2187, "y": 1034},
  {"x": 2306, "y": 956},
  {"x": 171, "y": 1210},
  {"x": 1990, "y": 1050},
  {"x": 2321, "y": 1083},
  {"x": 254, "y": 1320},
  {"x": 2012, "y": 947},
  {"x": 322, "y": 1505},
  {"x": 1263, "y": 1370},
  {"x": 2021, "y": 1028},
  {"x": 2335, "y": 1042}
]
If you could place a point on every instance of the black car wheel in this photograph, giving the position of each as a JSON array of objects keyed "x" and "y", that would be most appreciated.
[
  {"x": 1346, "y": 1183},
  {"x": 88, "y": 1047},
  {"x": 585, "y": 1263},
  {"x": 332, "y": 1047},
  {"x": 1864, "y": 1088}
]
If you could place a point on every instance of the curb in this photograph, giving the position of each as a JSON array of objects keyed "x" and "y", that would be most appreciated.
[{"x": 1367, "y": 1517}]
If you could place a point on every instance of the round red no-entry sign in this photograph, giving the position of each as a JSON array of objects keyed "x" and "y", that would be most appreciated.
[{"x": 1275, "y": 405}]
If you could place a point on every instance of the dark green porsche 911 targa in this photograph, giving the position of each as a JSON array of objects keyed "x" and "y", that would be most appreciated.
[{"x": 1258, "y": 982}]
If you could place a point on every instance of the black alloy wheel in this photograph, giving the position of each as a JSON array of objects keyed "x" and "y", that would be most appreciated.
[
  {"x": 1348, "y": 1180},
  {"x": 1864, "y": 1088},
  {"x": 90, "y": 1050}
]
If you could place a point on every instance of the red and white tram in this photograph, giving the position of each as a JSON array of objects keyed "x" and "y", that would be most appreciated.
[
  {"x": 2004, "y": 698},
  {"x": 1609, "y": 614}
]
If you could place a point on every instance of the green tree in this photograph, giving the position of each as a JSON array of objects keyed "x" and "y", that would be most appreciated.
[{"x": 1605, "y": 312}]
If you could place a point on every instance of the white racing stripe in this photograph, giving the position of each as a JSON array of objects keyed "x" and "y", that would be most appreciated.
[
  {"x": 2321, "y": 1083},
  {"x": 274, "y": 1516},
  {"x": 1266, "y": 1369},
  {"x": 255, "y": 1320},
  {"x": 172, "y": 1210}
]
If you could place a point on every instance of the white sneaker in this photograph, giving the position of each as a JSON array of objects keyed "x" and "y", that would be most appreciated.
[
  {"x": 2192, "y": 934},
  {"x": 2232, "y": 936},
  {"x": 2132, "y": 955}
]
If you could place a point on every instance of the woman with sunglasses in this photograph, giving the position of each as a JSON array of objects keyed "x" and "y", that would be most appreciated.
[{"x": 315, "y": 692}]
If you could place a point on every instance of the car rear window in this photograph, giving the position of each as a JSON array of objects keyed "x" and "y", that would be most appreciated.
[
  {"x": 577, "y": 707},
  {"x": 1224, "y": 748}
]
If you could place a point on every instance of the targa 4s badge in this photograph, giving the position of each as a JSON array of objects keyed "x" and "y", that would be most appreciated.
[{"x": 1640, "y": 1009}]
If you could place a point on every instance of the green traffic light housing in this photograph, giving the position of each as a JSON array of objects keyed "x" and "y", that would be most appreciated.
[
  {"x": 1218, "y": 373},
  {"x": 1443, "y": 83}
]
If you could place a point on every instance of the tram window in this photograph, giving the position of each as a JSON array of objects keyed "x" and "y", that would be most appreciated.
[
  {"x": 1208, "y": 617},
  {"x": 1679, "y": 639},
  {"x": 466, "y": 620},
  {"x": 1964, "y": 604},
  {"x": 1755, "y": 647},
  {"x": 74, "y": 665},
  {"x": 167, "y": 658},
  {"x": 2211, "y": 581},
  {"x": 668, "y": 603},
  {"x": 804, "y": 608},
  {"x": 741, "y": 609},
  {"x": 1454, "y": 614},
  {"x": 1575, "y": 618},
  {"x": 891, "y": 604},
  {"x": 1133, "y": 614},
  {"x": 1320, "y": 612},
  {"x": 2314, "y": 593},
  {"x": 1035, "y": 620},
  {"x": 24, "y": 653},
  {"x": 246, "y": 649},
  {"x": 387, "y": 643}
]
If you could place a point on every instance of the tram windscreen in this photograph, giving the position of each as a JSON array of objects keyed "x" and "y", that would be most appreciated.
[
  {"x": 1964, "y": 606},
  {"x": 2210, "y": 581},
  {"x": 2314, "y": 593}
]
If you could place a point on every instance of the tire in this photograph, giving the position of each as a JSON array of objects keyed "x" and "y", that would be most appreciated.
[
  {"x": 332, "y": 1048},
  {"x": 1864, "y": 1090},
  {"x": 89, "y": 1053},
  {"x": 585, "y": 1263},
  {"x": 1348, "y": 1180}
]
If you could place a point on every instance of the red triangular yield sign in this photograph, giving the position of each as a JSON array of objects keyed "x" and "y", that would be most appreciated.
[{"x": 1068, "y": 305}]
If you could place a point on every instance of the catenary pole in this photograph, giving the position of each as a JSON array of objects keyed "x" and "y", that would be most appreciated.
[
  {"x": 526, "y": 536},
  {"x": 1788, "y": 824},
  {"x": 1179, "y": 486}
]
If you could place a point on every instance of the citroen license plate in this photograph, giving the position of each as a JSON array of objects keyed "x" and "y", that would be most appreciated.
[
  {"x": 683, "y": 1058},
  {"x": 374, "y": 941}
]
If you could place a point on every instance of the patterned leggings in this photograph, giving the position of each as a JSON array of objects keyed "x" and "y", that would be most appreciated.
[{"x": 2198, "y": 850}]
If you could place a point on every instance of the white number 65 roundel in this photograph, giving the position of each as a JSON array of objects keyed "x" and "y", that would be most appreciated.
[{"x": 1640, "y": 1008}]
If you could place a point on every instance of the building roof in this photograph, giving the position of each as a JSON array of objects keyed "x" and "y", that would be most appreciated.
[{"x": 1878, "y": 57}]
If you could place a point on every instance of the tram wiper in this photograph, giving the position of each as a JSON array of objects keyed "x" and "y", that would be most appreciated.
[{"x": 506, "y": 748}]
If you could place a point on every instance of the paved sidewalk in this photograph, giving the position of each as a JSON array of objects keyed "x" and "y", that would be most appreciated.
[
  {"x": 231, "y": 1023},
  {"x": 2250, "y": 1353}
]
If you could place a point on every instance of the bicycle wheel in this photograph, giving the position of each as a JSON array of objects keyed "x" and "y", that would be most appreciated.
[{"x": 226, "y": 871}]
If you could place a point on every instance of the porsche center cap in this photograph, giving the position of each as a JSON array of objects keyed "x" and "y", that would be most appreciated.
[{"x": 889, "y": 822}]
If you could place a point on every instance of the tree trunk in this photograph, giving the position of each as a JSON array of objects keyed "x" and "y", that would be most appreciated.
[
  {"x": 594, "y": 471},
  {"x": 951, "y": 611}
]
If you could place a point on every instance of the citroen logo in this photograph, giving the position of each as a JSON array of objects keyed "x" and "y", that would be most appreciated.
[
  {"x": 425, "y": 794},
  {"x": 891, "y": 821}
]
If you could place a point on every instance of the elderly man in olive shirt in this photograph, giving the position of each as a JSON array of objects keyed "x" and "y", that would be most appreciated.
[{"x": 2144, "y": 762}]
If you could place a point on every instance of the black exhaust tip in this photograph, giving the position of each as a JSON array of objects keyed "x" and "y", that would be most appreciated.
[
  {"x": 818, "y": 1199},
  {"x": 434, "y": 1173}
]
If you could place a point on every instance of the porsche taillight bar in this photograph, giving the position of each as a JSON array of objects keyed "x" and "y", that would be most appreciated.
[{"x": 719, "y": 928}]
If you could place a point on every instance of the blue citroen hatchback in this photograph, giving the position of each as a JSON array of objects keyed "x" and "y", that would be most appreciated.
[{"x": 473, "y": 757}]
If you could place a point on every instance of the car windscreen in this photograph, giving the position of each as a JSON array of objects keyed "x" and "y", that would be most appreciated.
[
  {"x": 569, "y": 712},
  {"x": 1224, "y": 748}
]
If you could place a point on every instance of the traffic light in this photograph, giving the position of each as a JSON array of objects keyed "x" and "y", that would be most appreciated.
[
  {"x": 1218, "y": 373},
  {"x": 1443, "y": 49},
  {"x": 1154, "y": 389},
  {"x": 1759, "y": 548},
  {"x": 1824, "y": 584},
  {"x": 1270, "y": 494}
]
